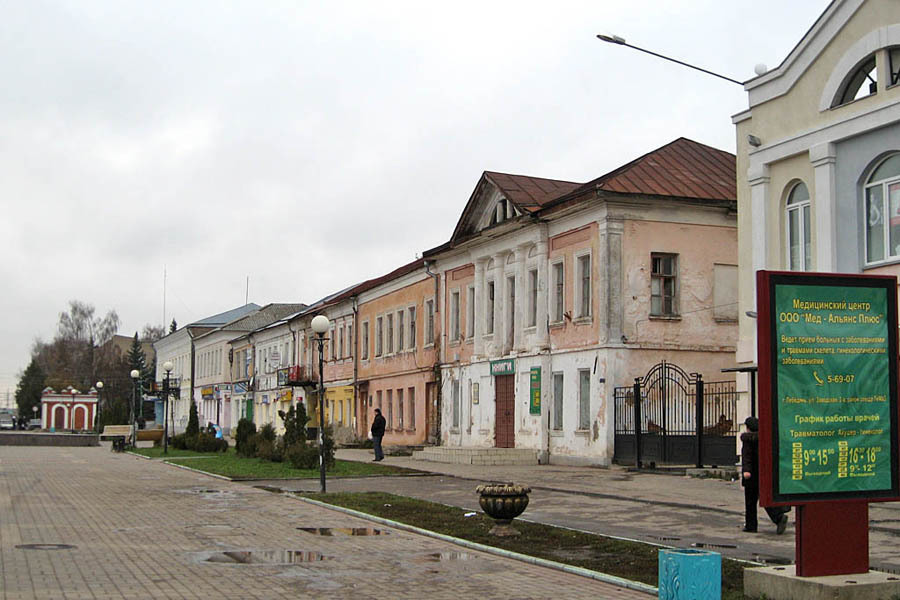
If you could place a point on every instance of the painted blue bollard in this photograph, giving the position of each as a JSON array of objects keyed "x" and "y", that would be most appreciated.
[{"x": 686, "y": 574}]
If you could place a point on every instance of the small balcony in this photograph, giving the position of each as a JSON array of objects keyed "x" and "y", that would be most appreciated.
[{"x": 302, "y": 376}]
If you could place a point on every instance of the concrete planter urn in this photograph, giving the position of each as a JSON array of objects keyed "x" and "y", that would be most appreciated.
[{"x": 503, "y": 502}]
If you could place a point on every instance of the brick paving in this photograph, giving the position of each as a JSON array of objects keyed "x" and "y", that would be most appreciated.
[{"x": 142, "y": 529}]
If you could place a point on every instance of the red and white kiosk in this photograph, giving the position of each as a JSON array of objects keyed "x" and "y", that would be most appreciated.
[{"x": 68, "y": 410}]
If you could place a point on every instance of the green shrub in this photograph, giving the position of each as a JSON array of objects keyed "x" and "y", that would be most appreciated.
[
  {"x": 267, "y": 432},
  {"x": 201, "y": 442},
  {"x": 179, "y": 442},
  {"x": 302, "y": 456},
  {"x": 193, "y": 426},
  {"x": 248, "y": 448},
  {"x": 295, "y": 420},
  {"x": 245, "y": 429},
  {"x": 265, "y": 450}
]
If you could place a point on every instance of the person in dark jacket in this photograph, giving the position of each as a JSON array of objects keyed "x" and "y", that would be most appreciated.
[
  {"x": 378, "y": 425},
  {"x": 750, "y": 480}
]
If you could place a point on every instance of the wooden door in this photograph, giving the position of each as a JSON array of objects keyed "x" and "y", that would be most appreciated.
[
  {"x": 59, "y": 418},
  {"x": 432, "y": 422},
  {"x": 504, "y": 419},
  {"x": 79, "y": 418}
]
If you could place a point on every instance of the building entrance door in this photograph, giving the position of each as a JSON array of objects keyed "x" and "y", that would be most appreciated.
[
  {"x": 432, "y": 422},
  {"x": 59, "y": 418},
  {"x": 505, "y": 413}
]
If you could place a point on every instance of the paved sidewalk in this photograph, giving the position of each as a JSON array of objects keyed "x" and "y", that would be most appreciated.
[
  {"x": 144, "y": 529},
  {"x": 658, "y": 508}
]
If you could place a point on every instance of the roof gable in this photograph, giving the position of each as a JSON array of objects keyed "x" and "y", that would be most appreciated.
[{"x": 525, "y": 195}]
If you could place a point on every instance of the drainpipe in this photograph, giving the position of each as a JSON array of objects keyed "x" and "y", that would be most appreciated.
[
  {"x": 439, "y": 348},
  {"x": 355, "y": 349}
]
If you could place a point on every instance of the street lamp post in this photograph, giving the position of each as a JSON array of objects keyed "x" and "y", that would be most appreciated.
[
  {"x": 320, "y": 325},
  {"x": 99, "y": 387},
  {"x": 135, "y": 375},
  {"x": 167, "y": 367}
]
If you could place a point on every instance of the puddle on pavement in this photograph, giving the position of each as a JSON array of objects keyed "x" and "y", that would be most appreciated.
[
  {"x": 711, "y": 545},
  {"x": 269, "y": 488},
  {"x": 662, "y": 538},
  {"x": 265, "y": 557},
  {"x": 330, "y": 531},
  {"x": 206, "y": 492},
  {"x": 45, "y": 547},
  {"x": 446, "y": 557}
]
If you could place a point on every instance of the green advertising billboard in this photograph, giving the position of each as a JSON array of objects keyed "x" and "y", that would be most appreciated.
[{"x": 832, "y": 364}]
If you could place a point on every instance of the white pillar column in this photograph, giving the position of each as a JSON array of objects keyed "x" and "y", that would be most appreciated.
[
  {"x": 822, "y": 158},
  {"x": 478, "y": 312},
  {"x": 759, "y": 196},
  {"x": 543, "y": 331},
  {"x": 521, "y": 297}
]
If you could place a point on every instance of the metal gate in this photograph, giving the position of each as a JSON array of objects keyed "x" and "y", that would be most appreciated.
[{"x": 683, "y": 419}]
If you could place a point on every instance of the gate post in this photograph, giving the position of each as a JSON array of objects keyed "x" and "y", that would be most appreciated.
[
  {"x": 699, "y": 398},
  {"x": 637, "y": 422}
]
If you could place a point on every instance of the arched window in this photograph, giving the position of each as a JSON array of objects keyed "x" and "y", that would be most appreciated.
[
  {"x": 861, "y": 82},
  {"x": 798, "y": 235},
  {"x": 883, "y": 211}
]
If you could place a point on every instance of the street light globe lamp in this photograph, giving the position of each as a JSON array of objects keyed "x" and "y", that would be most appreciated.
[
  {"x": 167, "y": 367},
  {"x": 99, "y": 386},
  {"x": 72, "y": 410},
  {"x": 320, "y": 324},
  {"x": 135, "y": 374}
]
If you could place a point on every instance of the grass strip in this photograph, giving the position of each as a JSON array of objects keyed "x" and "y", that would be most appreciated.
[
  {"x": 634, "y": 561},
  {"x": 237, "y": 467},
  {"x": 173, "y": 453}
]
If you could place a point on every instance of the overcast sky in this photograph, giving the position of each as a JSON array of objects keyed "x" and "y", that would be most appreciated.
[{"x": 312, "y": 145}]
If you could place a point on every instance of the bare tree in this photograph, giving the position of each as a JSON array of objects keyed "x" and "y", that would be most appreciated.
[{"x": 152, "y": 333}]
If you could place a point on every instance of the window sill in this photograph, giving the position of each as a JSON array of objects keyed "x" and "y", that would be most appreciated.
[
  {"x": 530, "y": 329},
  {"x": 453, "y": 343},
  {"x": 454, "y": 430},
  {"x": 583, "y": 432},
  {"x": 725, "y": 321},
  {"x": 557, "y": 324},
  {"x": 584, "y": 320},
  {"x": 665, "y": 317},
  {"x": 557, "y": 433}
]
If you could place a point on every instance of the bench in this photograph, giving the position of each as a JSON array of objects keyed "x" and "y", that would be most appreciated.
[
  {"x": 150, "y": 435},
  {"x": 119, "y": 434}
]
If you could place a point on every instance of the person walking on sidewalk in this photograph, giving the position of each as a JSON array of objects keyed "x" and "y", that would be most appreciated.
[
  {"x": 750, "y": 481},
  {"x": 378, "y": 424}
]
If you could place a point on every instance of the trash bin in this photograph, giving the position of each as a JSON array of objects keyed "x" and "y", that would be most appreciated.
[{"x": 688, "y": 574}]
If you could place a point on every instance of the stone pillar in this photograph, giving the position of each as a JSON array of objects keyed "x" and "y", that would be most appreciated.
[
  {"x": 521, "y": 297},
  {"x": 759, "y": 196},
  {"x": 613, "y": 281},
  {"x": 480, "y": 303},
  {"x": 543, "y": 317},
  {"x": 824, "y": 207},
  {"x": 499, "y": 303}
]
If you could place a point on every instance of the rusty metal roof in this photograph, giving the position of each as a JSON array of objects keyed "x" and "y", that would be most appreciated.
[
  {"x": 529, "y": 193},
  {"x": 683, "y": 168}
]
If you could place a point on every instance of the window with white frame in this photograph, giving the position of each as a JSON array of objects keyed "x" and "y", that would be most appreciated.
[
  {"x": 333, "y": 344},
  {"x": 389, "y": 331},
  {"x": 390, "y": 409},
  {"x": 364, "y": 349},
  {"x": 341, "y": 342},
  {"x": 429, "y": 322},
  {"x": 412, "y": 327},
  {"x": 798, "y": 229},
  {"x": 470, "y": 312},
  {"x": 411, "y": 398},
  {"x": 489, "y": 311},
  {"x": 510, "y": 308},
  {"x": 559, "y": 288},
  {"x": 882, "y": 208},
  {"x": 350, "y": 340},
  {"x": 584, "y": 399},
  {"x": 584, "y": 286},
  {"x": 663, "y": 285},
  {"x": 379, "y": 336},
  {"x": 454, "y": 315},
  {"x": 558, "y": 401},
  {"x": 400, "y": 408},
  {"x": 532, "y": 297},
  {"x": 401, "y": 330}
]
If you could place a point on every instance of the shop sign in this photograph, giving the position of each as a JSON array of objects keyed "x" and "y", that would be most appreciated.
[
  {"x": 207, "y": 391},
  {"x": 828, "y": 348},
  {"x": 506, "y": 366},
  {"x": 534, "y": 406},
  {"x": 283, "y": 376}
]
